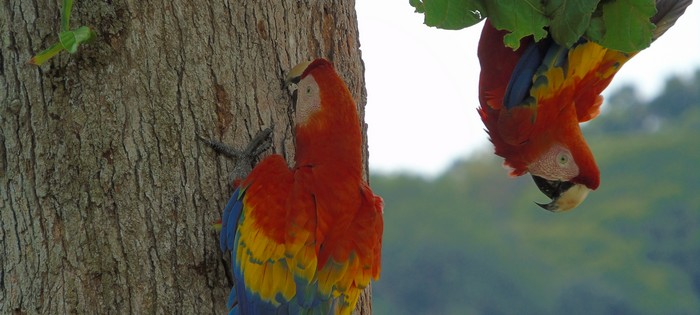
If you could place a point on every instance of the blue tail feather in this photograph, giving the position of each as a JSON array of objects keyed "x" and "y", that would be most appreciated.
[{"x": 229, "y": 221}]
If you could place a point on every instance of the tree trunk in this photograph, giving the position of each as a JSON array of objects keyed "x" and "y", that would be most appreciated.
[{"x": 106, "y": 195}]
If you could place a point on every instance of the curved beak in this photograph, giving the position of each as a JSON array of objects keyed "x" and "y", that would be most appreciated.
[
  {"x": 565, "y": 195},
  {"x": 295, "y": 74}
]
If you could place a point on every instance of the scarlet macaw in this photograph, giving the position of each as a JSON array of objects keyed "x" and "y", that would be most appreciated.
[
  {"x": 306, "y": 239},
  {"x": 533, "y": 99}
]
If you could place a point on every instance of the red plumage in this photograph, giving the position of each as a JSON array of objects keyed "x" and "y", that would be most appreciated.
[{"x": 317, "y": 222}]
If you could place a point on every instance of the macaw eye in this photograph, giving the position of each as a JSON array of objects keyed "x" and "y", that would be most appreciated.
[
  {"x": 308, "y": 99},
  {"x": 557, "y": 163},
  {"x": 563, "y": 158}
]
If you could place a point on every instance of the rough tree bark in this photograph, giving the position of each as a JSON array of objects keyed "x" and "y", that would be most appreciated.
[{"x": 106, "y": 195}]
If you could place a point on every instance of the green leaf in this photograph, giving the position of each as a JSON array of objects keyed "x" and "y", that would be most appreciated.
[
  {"x": 45, "y": 55},
  {"x": 65, "y": 15},
  {"x": 72, "y": 39},
  {"x": 449, "y": 14},
  {"x": 623, "y": 25},
  {"x": 569, "y": 19},
  {"x": 68, "y": 40},
  {"x": 418, "y": 5},
  {"x": 522, "y": 18}
]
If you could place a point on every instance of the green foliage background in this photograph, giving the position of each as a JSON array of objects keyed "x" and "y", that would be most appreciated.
[{"x": 473, "y": 242}]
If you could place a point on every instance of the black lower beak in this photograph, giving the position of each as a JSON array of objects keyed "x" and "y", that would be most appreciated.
[
  {"x": 554, "y": 189},
  {"x": 551, "y": 188}
]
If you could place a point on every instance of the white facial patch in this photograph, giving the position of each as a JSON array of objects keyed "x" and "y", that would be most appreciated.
[
  {"x": 555, "y": 164},
  {"x": 308, "y": 99}
]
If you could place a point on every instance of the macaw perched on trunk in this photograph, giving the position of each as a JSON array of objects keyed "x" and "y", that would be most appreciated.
[
  {"x": 533, "y": 99},
  {"x": 307, "y": 240}
]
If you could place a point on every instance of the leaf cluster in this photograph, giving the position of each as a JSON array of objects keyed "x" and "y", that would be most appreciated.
[{"x": 622, "y": 25}]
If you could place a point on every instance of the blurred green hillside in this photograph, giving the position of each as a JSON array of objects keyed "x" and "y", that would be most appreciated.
[{"x": 472, "y": 241}]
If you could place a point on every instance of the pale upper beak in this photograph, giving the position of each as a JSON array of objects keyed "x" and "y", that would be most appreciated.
[
  {"x": 295, "y": 74},
  {"x": 565, "y": 195}
]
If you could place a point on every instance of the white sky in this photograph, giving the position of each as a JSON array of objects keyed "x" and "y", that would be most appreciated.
[{"x": 422, "y": 84}]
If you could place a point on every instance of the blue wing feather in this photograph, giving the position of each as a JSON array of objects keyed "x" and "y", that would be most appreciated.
[
  {"x": 229, "y": 221},
  {"x": 534, "y": 62},
  {"x": 227, "y": 241},
  {"x": 233, "y": 222},
  {"x": 232, "y": 301},
  {"x": 521, "y": 79},
  {"x": 240, "y": 301}
]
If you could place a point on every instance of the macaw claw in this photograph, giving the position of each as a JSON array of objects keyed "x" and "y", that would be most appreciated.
[{"x": 244, "y": 158}]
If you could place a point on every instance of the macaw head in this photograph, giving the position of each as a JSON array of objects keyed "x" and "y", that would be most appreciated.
[
  {"x": 565, "y": 172},
  {"x": 326, "y": 122},
  {"x": 321, "y": 95},
  {"x": 551, "y": 148},
  {"x": 554, "y": 153},
  {"x": 307, "y": 94}
]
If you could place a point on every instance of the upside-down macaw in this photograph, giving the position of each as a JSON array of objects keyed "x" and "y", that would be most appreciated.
[
  {"x": 533, "y": 99},
  {"x": 307, "y": 239}
]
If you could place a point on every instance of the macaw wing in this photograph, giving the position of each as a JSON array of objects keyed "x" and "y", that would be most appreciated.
[
  {"x": 253, "y": 230},
  {"x": 333, "y": 239},
  {"x": 497, "y": 64},
  {"x": 576, "y": 75},
  {"x": 351, "y": 252},
  {"x": 545, "y": 70},
  {"x": 535, "y": 60},
  {"x": 539, "y": 72},
  {"x": 592, "y": 67},
  {"x": 504, "y": 85}
]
